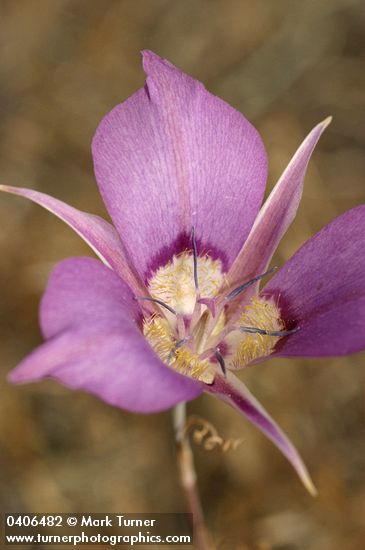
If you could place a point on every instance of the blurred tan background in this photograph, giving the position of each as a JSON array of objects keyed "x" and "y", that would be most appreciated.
[{"x": 286, "y": 64}]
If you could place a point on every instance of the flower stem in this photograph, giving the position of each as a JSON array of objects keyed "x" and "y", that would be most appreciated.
[{"x": 188, "y": 480}]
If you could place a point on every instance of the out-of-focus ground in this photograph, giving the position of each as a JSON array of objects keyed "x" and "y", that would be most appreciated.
[{"x": 285, "y": 64}]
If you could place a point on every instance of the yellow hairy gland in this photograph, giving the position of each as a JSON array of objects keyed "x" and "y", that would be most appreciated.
[
  {"x": 173, "y": 283},
  {"x": 264, "y": 314},
  {"x": 161, "y": 338}
]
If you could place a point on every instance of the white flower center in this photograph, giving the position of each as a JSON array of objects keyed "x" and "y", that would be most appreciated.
[{"x": 193, "y": 338}]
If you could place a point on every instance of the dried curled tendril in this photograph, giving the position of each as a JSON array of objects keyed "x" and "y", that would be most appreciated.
[{"x": 205, "y": 434}]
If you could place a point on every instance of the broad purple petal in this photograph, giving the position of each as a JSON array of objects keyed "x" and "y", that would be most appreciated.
[
  {"x": 321, "y": 289},
  {"x": 235, "y": 393},
  {"x": 96, "y": 232},
  {"x": 94, "y": 342},
  {"x": 275, "y": 216},
  {"x": 173, "y": 156}
]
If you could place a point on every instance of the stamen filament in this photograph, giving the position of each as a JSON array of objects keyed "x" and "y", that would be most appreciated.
[
  {"x": 180, "y": 325},
  {"x": 196, "y": 316}
]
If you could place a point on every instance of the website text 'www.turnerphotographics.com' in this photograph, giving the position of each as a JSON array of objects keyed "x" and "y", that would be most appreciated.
[{"x": 88, "y": 529}]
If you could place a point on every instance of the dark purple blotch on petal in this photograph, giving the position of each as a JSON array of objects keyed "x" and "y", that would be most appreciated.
[{"x": 182, "y": 244}]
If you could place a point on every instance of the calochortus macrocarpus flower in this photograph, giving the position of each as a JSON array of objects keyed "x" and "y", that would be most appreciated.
[{"x": 174, "y": 307}]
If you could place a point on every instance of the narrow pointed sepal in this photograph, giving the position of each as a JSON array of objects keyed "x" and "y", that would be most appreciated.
[
  {"x": 235, "y": 393},
  {"x": 102, "y": 238},
  {"x": 275, "y": 216}
]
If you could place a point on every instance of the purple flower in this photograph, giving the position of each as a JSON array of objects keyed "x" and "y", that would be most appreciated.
[{"x": 174, "y": 306}]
